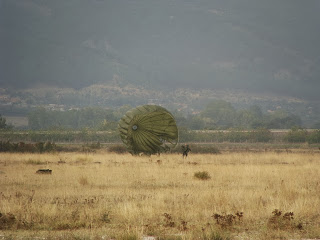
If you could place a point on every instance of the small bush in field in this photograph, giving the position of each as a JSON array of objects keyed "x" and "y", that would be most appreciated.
[
  {"x": 83, "y": 181},
  {"x": 279, "y": 221},
  {"x": 227, "y": 220},
  {"x": 105, "y": 217},
  {"x": 7, "y": 221},
  {"x": 117, "y": 149},
  {"x": 202, "y": 175}
]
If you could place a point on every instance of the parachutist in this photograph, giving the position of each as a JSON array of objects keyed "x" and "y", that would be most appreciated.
[{"x": 186, "y": 149}]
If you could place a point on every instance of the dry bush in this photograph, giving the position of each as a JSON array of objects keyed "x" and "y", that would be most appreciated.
[
  {"x": 7, "y": 221},
  {"x": 202, "y": 175},
  {"x": 227, "y": 220},
  {"x": 285, "y": 221},
  {"x": 83, "y": 181}
]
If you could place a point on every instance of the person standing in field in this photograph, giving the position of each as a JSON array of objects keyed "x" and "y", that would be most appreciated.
[{"x": 185, "y": 150}]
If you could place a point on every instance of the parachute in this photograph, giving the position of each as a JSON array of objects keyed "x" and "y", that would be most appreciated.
[{"x": 148, "y": 129}]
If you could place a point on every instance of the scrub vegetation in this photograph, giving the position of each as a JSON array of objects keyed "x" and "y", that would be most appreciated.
[{"x": 247, "y": 195}]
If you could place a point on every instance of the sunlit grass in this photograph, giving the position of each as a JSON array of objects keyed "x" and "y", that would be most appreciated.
[{"x": 124, "y": 195}]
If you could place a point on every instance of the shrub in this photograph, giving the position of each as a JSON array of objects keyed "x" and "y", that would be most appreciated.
[
  {"x": 39, "y": 147},
  {"x": 279, "y": 221},
  {"x": 227, "y": 220},
  {"x": 260, "y": 135},
  {"x": 105, "y": 217},
  {"x": 296, "y": 135},
  {"x": 83, "y": 181},
  {"x": 314, "y": 137},
  {"x": 202, "y": 175},
  {"x": 7, "y": 221},
  {"x": 235, "y": 135}
]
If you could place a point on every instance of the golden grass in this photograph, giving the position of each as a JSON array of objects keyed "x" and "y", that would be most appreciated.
[{"x": 105, "y": 196}]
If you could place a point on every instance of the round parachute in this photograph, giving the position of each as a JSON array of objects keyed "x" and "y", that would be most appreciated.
[{"x": 148, "y": 129}]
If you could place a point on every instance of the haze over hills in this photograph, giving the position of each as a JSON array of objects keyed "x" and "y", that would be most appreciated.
[{"x": 269, "y": 47}]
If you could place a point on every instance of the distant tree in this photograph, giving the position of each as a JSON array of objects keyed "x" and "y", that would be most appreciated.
[
  {"x": 196, "y": 123},
  {"x": 108, "y": 125},
  {"x": 256, "y": 111},
  {"x": 3, "y": 124},
  {"x": 296, "y": 135},
  {"x": 90, "y": 117},
  {"x": 39, "y": 119},
  {"x": 236, "y": 135},
  {"x": 185, "y": 135},
  {"x": 245, "y": 119},
  {"x": 314, "y": 137},
  {"x": 181, "y": 120},
  {"x": 222, "y": 113},
  {"x": 251, "y": 118},
  {"x": 261, "y": 135},
  {"x": 282, "y": 120}
]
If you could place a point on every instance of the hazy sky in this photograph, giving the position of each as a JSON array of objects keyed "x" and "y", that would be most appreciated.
[{"x": 263, "y": 46}]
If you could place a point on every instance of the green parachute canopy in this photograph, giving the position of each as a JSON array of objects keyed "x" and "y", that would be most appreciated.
[{"x": 148, "y": 129}]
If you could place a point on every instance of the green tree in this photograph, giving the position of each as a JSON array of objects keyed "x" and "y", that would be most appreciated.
[
  {"x": 108, "y": 125},
  {"x": 256, "y": 111},
  {"x": 251, "y": 118},
  {"x": 196, "y": 123},
  {"x": 181, "y": 120},
  {"x": 296, "y": 135},
  {"x": 314, "y": 137},
  {"x": 221, "y": 113},
  {"x": 38, "y": 119},
  {"x": 261, "y": 135},
  {"x": 245, "y": 118},
  {"x": 90, "y": 117},
  {"x": 3, "y": 124},
  {"x": 282, "y": 120},
  {"x": 185, "y": 135}
]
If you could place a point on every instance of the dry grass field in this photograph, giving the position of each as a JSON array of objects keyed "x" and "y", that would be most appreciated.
[{"x": 113, "y": 196}]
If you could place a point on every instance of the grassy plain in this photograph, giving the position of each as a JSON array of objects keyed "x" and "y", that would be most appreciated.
[{"x": 118, "y": 196}]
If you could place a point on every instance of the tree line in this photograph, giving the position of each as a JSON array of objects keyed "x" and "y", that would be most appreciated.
[
  {"x": 95, "y": 118},
  {"x": 262, "y": 135},
  {"x": 217, "y": 115}
]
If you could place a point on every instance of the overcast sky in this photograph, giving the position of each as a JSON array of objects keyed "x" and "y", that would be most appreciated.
[{"x": 262, "y": 46}]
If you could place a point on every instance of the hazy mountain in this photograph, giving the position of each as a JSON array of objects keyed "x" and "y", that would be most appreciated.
[{"x": 261, "y": 46}]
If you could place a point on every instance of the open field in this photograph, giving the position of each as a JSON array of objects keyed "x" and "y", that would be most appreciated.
[{"x": 112, "y": 196}]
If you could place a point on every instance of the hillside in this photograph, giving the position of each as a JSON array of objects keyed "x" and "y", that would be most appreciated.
[{"x": 267, "y": 47}]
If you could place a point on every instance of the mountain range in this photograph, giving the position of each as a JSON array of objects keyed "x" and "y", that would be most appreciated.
[{"x": 269, "y": 47}]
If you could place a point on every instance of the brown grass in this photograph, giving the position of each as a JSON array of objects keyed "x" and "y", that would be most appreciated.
[{"x": 111, "y": 196}]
